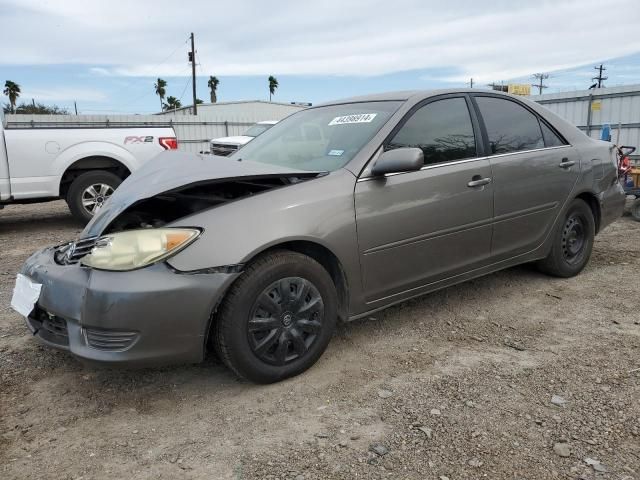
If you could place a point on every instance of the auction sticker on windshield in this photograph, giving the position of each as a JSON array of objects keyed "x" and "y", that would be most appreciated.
[{"x": 355, "y": 118}]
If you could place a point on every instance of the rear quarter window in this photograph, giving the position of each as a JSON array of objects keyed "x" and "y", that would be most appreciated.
[{"x": 551, "y": 138}]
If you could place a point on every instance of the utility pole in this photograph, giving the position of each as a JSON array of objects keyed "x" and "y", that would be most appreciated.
[
  {"x": 471, "y": 83},
  {"x": 600, "y": 78},
  {"x": 75, "y": 105},
  {"x": 192, "y": 57},
  {"x": 33, "y": 102},
  {"x": 541, "y": 77}
]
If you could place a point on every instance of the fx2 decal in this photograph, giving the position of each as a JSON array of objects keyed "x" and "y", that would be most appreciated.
[{"x": 135, "y": 139}]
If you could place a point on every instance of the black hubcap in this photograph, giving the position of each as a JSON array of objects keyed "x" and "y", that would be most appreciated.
[
  {"x": 573, "y": 239},
  {"x": 285, "y": 320}
]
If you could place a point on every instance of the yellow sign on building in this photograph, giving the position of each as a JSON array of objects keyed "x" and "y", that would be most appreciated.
[
  {"x": 519, "y": 89},
  {"x": 596, "y": 106}
]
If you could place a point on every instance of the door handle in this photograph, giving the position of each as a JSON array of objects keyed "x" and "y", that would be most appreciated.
[
  {"x": 477, "y": 181},
  {"x": 565, "y": 163}
]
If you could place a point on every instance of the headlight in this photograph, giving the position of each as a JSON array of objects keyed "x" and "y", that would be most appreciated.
[{"x": 138, "y": 248}]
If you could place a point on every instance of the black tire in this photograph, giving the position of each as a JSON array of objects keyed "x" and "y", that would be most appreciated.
[
  {"x": 635, "y": 210},
  {"x": 313, "y": 323},
  {"x": 76, "y": 195},
  {"x": 572, "y": 242}
]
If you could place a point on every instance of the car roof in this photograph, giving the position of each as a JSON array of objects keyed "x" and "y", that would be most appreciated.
[{"x": 405, "y": 95}]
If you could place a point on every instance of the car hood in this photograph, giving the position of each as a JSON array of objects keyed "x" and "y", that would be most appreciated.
[
  {"x": 172, "y": 170},
  {"x": 239, "y": 140}
]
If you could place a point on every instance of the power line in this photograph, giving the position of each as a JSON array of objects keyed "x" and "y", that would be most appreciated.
[
  {"x": 184, "y": 89},
  {"x": 146, "y": 94},
  {"x": 200, "y": 64},
  {"x": 138, "y": 79},
  {"x": 541, "y": 77}
]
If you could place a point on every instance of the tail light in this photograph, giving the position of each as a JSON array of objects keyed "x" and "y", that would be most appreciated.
[{"x": 168, "y": 143}]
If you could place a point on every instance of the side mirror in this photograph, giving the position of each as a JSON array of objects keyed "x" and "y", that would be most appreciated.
[{"x": 398, "y": 160}]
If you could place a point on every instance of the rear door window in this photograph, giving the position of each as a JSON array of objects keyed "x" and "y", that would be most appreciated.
[
  {"x": 442, "y": 129},
  {"x": 510, "y": 126}
]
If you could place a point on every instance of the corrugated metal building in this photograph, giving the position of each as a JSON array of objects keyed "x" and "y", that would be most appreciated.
[
  {"x": 193, "y": 131},
  {"x": 254, "y": 109},
  {"x": 589, "y": 110}
]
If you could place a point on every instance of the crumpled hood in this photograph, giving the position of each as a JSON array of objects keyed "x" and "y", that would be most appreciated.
[{"x": 174, "y": 169}]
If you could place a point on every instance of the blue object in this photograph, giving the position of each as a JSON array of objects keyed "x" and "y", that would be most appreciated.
[{"x": 605, "y": 133}]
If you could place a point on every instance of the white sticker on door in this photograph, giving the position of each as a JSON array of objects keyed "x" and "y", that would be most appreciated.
[{"x": 355, "y": 118}]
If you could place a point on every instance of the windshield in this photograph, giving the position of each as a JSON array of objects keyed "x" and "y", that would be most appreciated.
[
  {"x": 257, "y": 129},
  {"x": 319, "y": 139}
]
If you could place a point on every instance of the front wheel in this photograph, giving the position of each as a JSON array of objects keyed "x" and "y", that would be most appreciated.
[
  {"x": 277, "y": 318},
  {"x": 572, "y": 243},
  {"x": 88, "y": 193}
]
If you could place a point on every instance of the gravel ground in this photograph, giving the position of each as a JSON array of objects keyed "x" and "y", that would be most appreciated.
[{"x": 512, "y": 376}]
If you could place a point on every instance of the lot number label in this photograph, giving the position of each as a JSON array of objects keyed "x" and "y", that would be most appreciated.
[{"x": 356, "y": 118}]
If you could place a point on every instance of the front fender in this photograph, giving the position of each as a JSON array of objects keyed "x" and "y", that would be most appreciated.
[{"x": 320, "y": 211}]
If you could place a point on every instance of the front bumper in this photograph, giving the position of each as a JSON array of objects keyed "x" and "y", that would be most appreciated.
[{"x": 149, "y": 316}]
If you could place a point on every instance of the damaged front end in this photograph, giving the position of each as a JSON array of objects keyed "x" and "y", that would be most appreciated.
[
  {"x": 166, "y": 207},
  {"x": 174, "y": 186},
  {"x": 115, "y": 296}
]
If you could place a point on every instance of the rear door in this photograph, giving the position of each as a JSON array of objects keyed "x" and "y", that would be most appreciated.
[
  {"x": 415, "y": 228},
  {"x": 534, "y": 171}
]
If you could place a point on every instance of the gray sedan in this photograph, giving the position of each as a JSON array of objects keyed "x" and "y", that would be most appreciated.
[{"x": 335, "y": 212}]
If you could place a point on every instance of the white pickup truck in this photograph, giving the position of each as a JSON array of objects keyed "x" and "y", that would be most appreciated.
[
  {"x": 225, "y": 146},
  {"x": 79, "y": 164}
]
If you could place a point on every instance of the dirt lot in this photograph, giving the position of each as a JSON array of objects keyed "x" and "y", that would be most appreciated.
[{"x": 455, "y": 385}]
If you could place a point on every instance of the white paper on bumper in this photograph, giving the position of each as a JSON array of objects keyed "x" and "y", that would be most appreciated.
[{"x": 25, "y": 295}]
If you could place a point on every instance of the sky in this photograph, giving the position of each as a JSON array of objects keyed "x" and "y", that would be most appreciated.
[{"x": 106, "y": 55}]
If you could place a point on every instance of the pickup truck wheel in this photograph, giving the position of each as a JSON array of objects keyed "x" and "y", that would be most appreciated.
[
  {"x": 277, "y": 318},
  {"x": 572, "y": 243},
  {"x": 88, "y": 193}
]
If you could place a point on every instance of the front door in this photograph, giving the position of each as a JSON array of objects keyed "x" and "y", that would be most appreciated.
[{"x": 416, "y": 228}]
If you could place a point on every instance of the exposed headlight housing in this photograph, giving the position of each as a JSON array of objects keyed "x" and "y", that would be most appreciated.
[{"x": 134, "y": 249}]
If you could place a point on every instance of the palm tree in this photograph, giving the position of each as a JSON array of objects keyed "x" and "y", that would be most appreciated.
[
  {"x": 273, "y": 85},
  {"x": 172, "y": 103},
  {"x": 12, "y": 90},
  {"x": 213, "y": 85},
  {"x": 161, "y": 90}
]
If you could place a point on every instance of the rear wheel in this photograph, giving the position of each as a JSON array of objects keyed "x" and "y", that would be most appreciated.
[
  {"x": 89, "y": 191},
  {"x": 573, "y": 242},
  {"x": 277, "y": 319}
]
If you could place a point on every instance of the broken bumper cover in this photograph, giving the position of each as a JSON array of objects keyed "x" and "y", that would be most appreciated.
[
  {"x": 612, "y": 202},
  {"x": 149, "y": 316}
]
